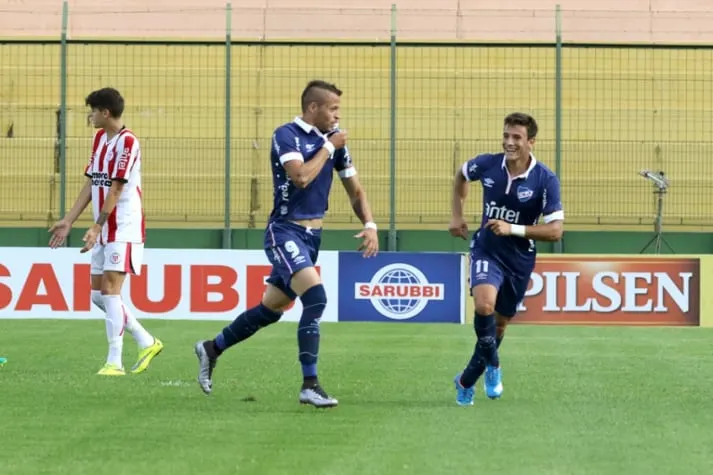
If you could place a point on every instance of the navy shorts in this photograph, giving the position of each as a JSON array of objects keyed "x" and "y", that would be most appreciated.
[
  {"x": 290, "y": 248},
  {"x": 511, "y": 288}
]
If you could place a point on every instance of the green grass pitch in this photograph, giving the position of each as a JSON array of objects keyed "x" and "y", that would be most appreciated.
[{"x": 578, "y": 400}]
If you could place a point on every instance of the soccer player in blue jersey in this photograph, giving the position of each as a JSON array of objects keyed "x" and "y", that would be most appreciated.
[
  {"x": 517, "y": 190},
  {"x": 305, "y": 153}
]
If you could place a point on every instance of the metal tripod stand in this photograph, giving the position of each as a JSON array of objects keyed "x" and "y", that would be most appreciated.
[{"x": 661, "y": 187}]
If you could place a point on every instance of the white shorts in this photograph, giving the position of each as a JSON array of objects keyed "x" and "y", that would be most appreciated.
[{"x": 118, "y": 257}]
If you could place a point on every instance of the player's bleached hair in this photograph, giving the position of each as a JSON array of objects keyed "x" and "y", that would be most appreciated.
[
  {"x": 312, "y": 92},
  {"x": 106, "y": 98},
  {"x": 525, "y": 120}
]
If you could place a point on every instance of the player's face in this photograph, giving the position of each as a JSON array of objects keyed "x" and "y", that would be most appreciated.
[
  {"x": 515, "y": 142},
  {"x": 98, "y": 117},
  {"x": 327, "y": 114}
]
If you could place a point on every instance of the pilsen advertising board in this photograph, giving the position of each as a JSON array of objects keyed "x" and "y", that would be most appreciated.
[{"x": 613, "y": 291}]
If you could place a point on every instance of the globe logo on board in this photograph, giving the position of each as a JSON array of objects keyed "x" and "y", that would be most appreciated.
[{"x": 399, "y": 291}]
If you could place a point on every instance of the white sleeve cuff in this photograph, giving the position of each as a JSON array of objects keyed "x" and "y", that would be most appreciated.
[
  {"x": 347, "y": 172},
  {"x": 288, "y": 157},
  {"x": 556, "y": 216},
  {"x": 464, "y": 170}
]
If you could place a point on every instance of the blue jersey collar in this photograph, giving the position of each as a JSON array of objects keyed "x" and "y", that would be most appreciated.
[{"x": 533, "y": 162}]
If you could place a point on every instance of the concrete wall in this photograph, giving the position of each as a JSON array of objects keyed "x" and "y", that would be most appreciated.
[{"x": 687, "y": 21}]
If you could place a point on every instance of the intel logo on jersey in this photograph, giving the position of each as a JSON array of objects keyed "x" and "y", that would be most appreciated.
[
  {"x": 493, "y": 211},
  {"x": 399, "y": 287}
]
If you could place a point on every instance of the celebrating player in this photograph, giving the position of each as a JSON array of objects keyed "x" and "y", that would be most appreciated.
[
  {"x": 116, "y": 238},
  {"x": 517, "y": 189},
  {"x": 304, "y": 155}
]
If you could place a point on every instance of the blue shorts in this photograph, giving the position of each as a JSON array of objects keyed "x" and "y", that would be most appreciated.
[
  {"x": 290, "y": 248},
  {"x": 511, "y": 288}
]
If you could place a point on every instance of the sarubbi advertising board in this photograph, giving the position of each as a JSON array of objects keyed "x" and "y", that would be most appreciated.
[{"x": 395, "y": 287}]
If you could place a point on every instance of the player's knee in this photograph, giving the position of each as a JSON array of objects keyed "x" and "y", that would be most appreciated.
[
  {"x": 98, "y": 299},
  {"x": 484, "y": 308},
  {"x": 314, "y": 300}
]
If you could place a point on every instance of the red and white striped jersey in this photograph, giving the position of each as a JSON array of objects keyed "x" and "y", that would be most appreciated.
[{"x": 118, "y": 159}]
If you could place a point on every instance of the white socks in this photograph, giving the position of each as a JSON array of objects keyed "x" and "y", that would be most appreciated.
[
  {"x": 117, "y": 319},
  {"x": 115, "y": 322},
  {"x": 143, "y": 338}
]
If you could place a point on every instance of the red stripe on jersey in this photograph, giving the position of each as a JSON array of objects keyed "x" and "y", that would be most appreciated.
[
  {"x": 95, "y": 146},
  {"x": 111, "y": 222},
  {"x": 102, "y": 191},
  {"x": 143, "y": 214},
  {"x": 120, "y": 167}
]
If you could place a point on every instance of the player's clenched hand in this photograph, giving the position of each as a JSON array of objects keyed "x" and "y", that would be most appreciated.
[
  {"x": 458, "y": 228},
  {"x": 90, "y": 238},
  {"x": 60, "y": 231},
  {"x": 500, "y": 228},
  {"x": 370, "y": 242},
  {"x": 339, "y": 139}
]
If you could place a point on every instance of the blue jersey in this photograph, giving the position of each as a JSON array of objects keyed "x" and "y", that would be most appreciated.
[
  {"x": 298, "y": 140},
  {"x": 517, "y": 200}
]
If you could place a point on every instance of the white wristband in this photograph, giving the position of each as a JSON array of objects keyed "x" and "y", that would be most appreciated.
[
  {"x": 330, "y": 147},
  {"x": 517, "y": 230},
  {"x": 370, "y": 225}
]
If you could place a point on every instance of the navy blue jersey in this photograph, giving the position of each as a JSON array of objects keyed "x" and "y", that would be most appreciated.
[
  {"x": 298, "y": 140},
  {"x": 517, "y": 200}
]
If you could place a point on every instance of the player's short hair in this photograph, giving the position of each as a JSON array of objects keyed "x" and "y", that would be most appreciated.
[
  {"x": 312, "y": 92},
  {"x": 106, "y": 98},
  {"x": 525, "y": 120}
]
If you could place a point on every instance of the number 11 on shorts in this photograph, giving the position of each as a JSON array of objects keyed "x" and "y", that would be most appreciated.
[{"x": 481, "y": 266}]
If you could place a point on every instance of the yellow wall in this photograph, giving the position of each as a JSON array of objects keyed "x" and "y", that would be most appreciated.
[{"x": 624, "y": 109}]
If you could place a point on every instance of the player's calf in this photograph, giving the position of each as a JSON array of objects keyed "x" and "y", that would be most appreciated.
[
  {"x": 485, "y": 352},
  {"x": 314, "y": 300},
  {"x": 242, "y": 328},
  {"x": 501, "y": 323},
  {"x": 114, "y": 321}
]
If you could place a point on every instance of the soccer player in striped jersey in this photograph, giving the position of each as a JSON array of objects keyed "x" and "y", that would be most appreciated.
[
  {"x": 517, "y": 190},
  {"x": 305, "y": 154},
  {"x": 116, "y": 238}
]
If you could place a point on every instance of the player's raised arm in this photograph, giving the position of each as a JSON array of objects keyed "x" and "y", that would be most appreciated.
[
  {"x": 470, "y": 171},
  {"x": 301, "y": 173},
  {"x": 360, "y": 204}
]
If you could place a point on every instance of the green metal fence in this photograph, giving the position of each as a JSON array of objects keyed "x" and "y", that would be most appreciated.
[{"x": 204, "y": 114}]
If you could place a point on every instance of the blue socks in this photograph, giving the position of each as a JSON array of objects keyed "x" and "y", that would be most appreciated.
[
  {"x": 313, "y": 302},
  {"x": 244, "y": 327},
  {"x": 486, "y": 350}
]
